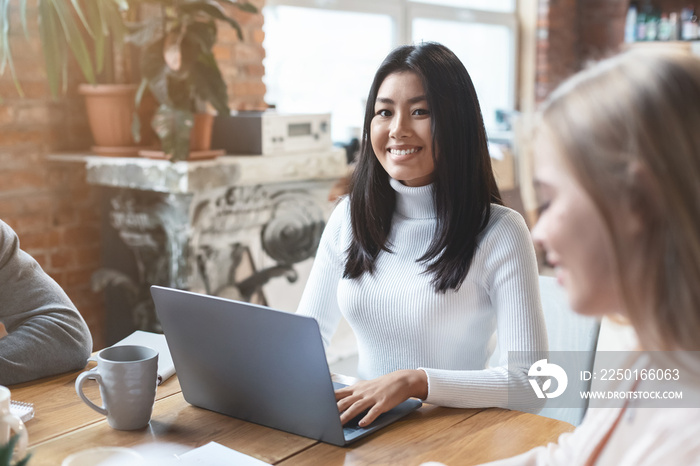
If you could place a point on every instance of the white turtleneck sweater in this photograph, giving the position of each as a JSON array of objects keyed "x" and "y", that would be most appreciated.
[{"x": 400, "y": 322}]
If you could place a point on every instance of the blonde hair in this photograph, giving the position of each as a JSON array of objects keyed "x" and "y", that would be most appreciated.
[{"x": 629, "y": 129}]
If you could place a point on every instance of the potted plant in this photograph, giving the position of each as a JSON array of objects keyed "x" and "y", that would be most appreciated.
[
  {"x": 92, "y": 32},
  {"x": 6, "y": 452},
  {"x": 179, "y": 68}
]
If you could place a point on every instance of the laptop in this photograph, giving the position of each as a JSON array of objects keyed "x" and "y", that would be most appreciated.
[{"x": 257, "y": 364}]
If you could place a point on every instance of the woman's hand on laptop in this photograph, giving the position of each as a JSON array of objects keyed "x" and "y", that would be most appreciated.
[{"x": 380, "y": 395}]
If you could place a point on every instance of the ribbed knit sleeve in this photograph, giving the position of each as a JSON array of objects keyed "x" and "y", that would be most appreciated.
[
  {"x": 320, "y": 297},
  {"x": 506, "y": 262}
]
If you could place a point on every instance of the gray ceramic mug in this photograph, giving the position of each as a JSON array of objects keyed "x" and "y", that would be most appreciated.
[{"x": 127, "y": 376}]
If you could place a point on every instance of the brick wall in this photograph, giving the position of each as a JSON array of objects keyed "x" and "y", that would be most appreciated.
[
  {"x": 241, "y": 61},
  {"x": 557, "y": 44},
  {"x": 571, "y": 33},
  {"x": 54, "y": 211},
  {"x": 50, "y": 206}
]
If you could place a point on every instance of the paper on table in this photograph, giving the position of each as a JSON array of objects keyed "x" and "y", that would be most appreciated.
[
  {"x": 157, "y": 341},
  {"x": 215, "y": 454},
  {"x": 25, "y": 411}
]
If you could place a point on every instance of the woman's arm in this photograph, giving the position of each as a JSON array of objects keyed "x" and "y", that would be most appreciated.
[
  {"x": 320, "y": 297},
  {"x": 508, "y": 266},
  {"x": 46, "y": 334}
]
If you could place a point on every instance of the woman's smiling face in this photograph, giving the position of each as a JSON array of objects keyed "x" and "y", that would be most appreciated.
[
  {"x": 573, "y": 234},
  {"x": 400, "y": 130}
]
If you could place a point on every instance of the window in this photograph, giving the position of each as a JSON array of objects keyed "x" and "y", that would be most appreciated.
[
  {"x": 321, "y": 55},
  {"x": 492, "y": 5}
]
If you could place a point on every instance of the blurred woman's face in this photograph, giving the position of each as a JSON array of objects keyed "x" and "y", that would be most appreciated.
[
  {"x": 573, "y": 235},
  {"x": 400, "y": 130}
]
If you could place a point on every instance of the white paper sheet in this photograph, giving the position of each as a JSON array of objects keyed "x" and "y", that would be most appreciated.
[{"x": 215, "y": 454}]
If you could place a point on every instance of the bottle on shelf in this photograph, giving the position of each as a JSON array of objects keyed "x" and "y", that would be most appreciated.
[
  {"x": 652, "y": 27},
  {"x": 687, "y": 30},
  {"x": 664, "y": 28},
  {"x": 641, "y": 30},
  {"x": 631, "y": 23},
  {"x": 674, "y": 33}
]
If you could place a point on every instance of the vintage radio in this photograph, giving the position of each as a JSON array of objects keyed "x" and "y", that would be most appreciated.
[{"x": 269, "y": 132}]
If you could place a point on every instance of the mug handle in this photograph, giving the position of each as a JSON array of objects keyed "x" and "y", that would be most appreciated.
[
  {"x": 93, "y": 375},
  {"x": 17, "y": 426}
]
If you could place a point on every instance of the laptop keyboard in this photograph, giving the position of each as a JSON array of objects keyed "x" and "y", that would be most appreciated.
[{"x": 352, "y": 425}]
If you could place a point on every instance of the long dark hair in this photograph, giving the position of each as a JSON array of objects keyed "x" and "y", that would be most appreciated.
[{"x": 464, "y": 185}]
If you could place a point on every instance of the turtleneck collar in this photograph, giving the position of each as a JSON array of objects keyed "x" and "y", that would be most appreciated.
[{"x": 413, "y": 202}]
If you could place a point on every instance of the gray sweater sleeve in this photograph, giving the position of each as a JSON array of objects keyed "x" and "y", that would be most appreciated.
[{"x": 46, "y": 334}]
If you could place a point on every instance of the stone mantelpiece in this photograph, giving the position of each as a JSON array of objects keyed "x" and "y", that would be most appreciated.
[
  {"x": 242, "y": 227},
  {"x": 191, "y": 177}
]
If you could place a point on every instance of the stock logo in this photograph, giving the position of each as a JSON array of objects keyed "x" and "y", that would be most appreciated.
[{"x": 544, "y": 369}]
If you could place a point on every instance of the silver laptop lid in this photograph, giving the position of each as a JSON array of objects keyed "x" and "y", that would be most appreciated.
[{"x": 250, "y": 362}]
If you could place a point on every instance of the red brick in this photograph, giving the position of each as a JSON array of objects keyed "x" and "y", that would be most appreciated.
[
  {"x": 227, "y": 35},
  {"x": 81, "y": 235},
  {"x": 54, "y": 239},
  {"x": 257, "y": 88},
  {"x": 64, "y": 217},
  {"x": 9, "y": 207},
  {"x": 247, "y": 53},
  {"x": 62, "y": 260},
  {"x": 34, "y": 115},
  {"x": 91, "y": 214},
  {"x": 239, "y": 88},
  {"x": 16, "y": 136},
  {"x": 88, "y": 256},
  {"x": 16, "y": 180},
  {"x": 6, "y": 115},
  {"x": 31, "y": 223},
  {"x": 31, "y": 89},
  {"x": 36, "y": 240},
  {"x": 222, "y": 52},
  {"x": 255, "y": 69},
  {"x": 258, "y": 36}
]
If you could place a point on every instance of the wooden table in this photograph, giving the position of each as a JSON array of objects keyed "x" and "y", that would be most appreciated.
[{"x": 63, "y": 424}]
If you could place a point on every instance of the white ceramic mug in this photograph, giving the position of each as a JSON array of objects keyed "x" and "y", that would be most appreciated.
[
  {"x": 127, "y": 376},
  {"x": 9, "y": 422}
]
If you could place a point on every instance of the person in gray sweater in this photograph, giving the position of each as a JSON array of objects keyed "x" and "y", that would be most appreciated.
[{"x": 41, "y": 331}]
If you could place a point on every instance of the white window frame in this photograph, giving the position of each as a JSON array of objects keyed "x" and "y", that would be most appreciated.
[{"x": 403, "y": 12}]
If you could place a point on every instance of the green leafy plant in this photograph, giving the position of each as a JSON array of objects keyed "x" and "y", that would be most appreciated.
[
  {"x": 87, "y": 30},
  {"x": 178, "y": 65},
  {"x": 6, "y": 454}
]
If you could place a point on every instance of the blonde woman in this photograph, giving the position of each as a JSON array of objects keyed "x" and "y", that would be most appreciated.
[{"x": 617, "y": 167}]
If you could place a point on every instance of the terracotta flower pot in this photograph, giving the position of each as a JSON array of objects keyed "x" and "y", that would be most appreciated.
[
  {"x": 110, "y": 110},
  {"x": 200, "y": 141},
  {"x": 200, "y": 137}
]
